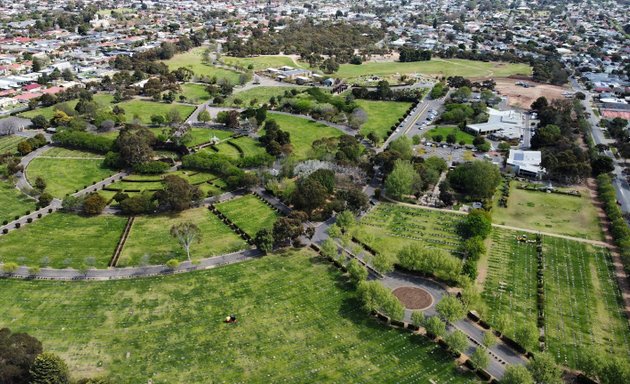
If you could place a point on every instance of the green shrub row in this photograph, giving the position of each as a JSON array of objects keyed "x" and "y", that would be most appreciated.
[
  {"x": 83, "y": 140},
  {"x": 618, "y": 226}
]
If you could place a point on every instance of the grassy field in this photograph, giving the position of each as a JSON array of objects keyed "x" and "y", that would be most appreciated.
[
  {"x": 102, "y": 99},
  {"x": 203, "y": 135},
  {"x": 193, "y": 61},
  {"x": 441, "y": 67},
  {"x": 195, "y": 93},
  {"x": 303, "y": 132},
  {"x": 65, "y": 240},
  {"x": 8, "y": 144},
  {"x": 261, "y": 62},
  {"x": 260, "y": 95},
  {"x": 550, "y": 212},
  {"x": 389, "y": 227},
  {"x": 381, "y": 115},
  {"x": 13, "y": 202},
  {"x": 150, "y": 242},
  {"x": 582, "y": 301},
  {"x": 143, "y": 110},
  {"x": 460, "y": 135},
  {"x": 249, "y": 146},
  {"x": 249, "y": 214},
  {"x": 298, "y": 322},
  {"x": 59, "y": 153},
  {"x": 510, "y": 283},
  {"x": 63, "y": 175}
]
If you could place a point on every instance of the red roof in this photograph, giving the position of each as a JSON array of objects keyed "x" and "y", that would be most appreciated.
[
  {"x": 52, "y": 90},
  {"x": 27, "y": 96},
  {"x": 30, "y": 87}
]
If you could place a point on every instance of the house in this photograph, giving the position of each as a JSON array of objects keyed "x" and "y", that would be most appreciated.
[{"x": 525, "y": 163}]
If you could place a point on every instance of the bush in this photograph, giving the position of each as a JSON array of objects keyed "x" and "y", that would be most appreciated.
[
  {"x": 151, "y": 167},
  {"x": 172, "y": 264}
]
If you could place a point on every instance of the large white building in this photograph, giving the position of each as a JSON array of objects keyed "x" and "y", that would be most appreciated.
[
  {"x": 506, "y": 125},
  {"x": 526, "y": 163}
]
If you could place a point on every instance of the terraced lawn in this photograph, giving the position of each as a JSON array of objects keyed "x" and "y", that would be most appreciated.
[
  {"x": 13, "y": 202},
  {"x": 193, "y": 60},
  {"x": 582, "y": 301},
  {"x": 303, "y": 132},
  {"x": 387, "y": 228},
  {"x": 8, "y": 144},
  {"x": 64, "y": 175},
  {"x": 249, "y": 214},
  {"x": 382, "y": 115},
  {"x": 62, "y": 240},
  {"x": 298, "y": 322},
  {"x": 150, "y": 242}
]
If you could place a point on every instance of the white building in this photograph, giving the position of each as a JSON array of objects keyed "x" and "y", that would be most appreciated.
[
  {"x": 508, "y": 125},
  {"x": 526, "y": 163}
]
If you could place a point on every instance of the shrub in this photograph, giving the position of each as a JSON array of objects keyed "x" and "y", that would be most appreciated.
[
  {"x": 172, "y": 264},
  {"x": 151, "y": 167},
  {"x": 83, "y": 140}
]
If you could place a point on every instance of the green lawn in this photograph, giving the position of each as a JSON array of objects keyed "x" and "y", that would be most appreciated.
[
  {"x": 582, "y": 301},
  {"x": 261, "y": 62},
  {"x": 59, "y": 152},
  {"x": 249, "y": 214},
  {"x": 550, "y": 212},
  {"x": 13, "y": 202},
  {"x": 298, "y": 321},
  {"x": 143, "y": 110},
  {"x": 260, "y": 95},
  {"x": 65, "y": 240},
  {"x": 441, "y": 67},
  {"x": 381, "y": 116},
  {"x": 389, "y": 227},
  {"x": 303, "y": 132},
  {"x": 460, "y": 135},
  {"x": 203, "y": 135},
  {"x": 195, "y": 93},
  {"x": 193, "y": 61},
  {"x": 150, "y": 242},
  {"x": 64, "y": 176},
  {"x": 249, "y": 146},
  {"x": 510, "y": 283},
  {"x": 8, "y": 144},
  {"x": 103, "y": 100}
]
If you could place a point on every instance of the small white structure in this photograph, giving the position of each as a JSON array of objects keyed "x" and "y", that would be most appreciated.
[{"x": 526, "y": 163}]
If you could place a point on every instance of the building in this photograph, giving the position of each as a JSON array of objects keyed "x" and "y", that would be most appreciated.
[
  {"x": 502, "y": 125},
  {"x": 525, "y": 163}
]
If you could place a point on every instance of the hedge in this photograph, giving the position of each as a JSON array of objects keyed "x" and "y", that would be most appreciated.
[
  {"x": 618, "y": 227},
  {"x": 83, "y": 140}
]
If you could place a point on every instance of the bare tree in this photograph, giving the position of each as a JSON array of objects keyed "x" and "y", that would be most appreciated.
[{"x": 186, "y": 234}]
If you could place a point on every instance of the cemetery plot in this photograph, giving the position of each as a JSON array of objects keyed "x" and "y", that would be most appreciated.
[
  {"x": 388, "y": 227},
  {"x": 13, "y": 202},
  {"x": 152, "y": 183},
  {"x": 60, "y": 153},
  {"x": 510, "y": 284},
  {"x": 249, "y": 146},
  {"x": 204, "y": 135},
  {"x": 249, "y": 213},
  {"x": 296, "y": 323},
  {"x": 150, "y": 242},
  {"x": 582, "y": 301},
  {"x": 8, "y": 144},
  {"x": 62, "y": 240},
  {"x": 382, "y": 115}
]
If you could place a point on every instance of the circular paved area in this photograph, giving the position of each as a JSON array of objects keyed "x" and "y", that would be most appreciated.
[{"x": 413, "y": 297}]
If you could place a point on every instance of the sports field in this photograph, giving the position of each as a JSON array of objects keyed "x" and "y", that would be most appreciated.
[{"x": 298, "y": 321}]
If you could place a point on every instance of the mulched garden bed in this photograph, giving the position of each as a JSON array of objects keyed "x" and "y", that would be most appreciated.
[{"x": 413, "y": 298}]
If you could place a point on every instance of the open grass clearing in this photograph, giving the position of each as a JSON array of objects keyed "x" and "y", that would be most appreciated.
[
  {"x": 195, "y": 93},
  {"x": 64, "y": 176},
  {"x": 249, "y": 213},
  {"x": 60, "y": 153},
  {"x": 446, "y": 130},
  {"x": 8, "y": 144},
  {"x": 193, "y": 60},
  {"x": 382, "y": 115},
  {"x": 249, "y": 146},
  {"x": 62, "y": 240},
  {"x": 298, "y": 321},
  {"x": 150, "y": 242},
  {"x": 103, "y": 100},
  {"x": 550, "y": 212},
  {"x": 261, "y": 62},
  {"x": 13, "y": 202},
  {"x": 144, "y": 109},
  {"x": 388, "y": 227},
  {"x": 303, "y": 132},
  {"x": 582, "y": 301},
  {"x": 437, "y": 66},
  {"x": 259, "y": 95},
  {"x": 204, "y": 135}
]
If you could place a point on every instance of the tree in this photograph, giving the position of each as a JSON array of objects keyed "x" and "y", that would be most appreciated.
[
  {"x": 403, "y": 146},
  {"x": 345, "y": 220},
  {"x": 376, "y": 297},
  {"x": 435, "y": 326},
  {"x": 517, "y": 374},
  {"x": 417, "y": 318},
  {"x": 489, "y": 339},
  {"x": 10, "y": 268},
  {"x": 40, "y": 122},
  {"x": 204, "y": 116},
  {"x": 474, "y": 247},
  {"x": 186, "y": 234},
  {"x": 173, "y": 117},
  {"x": 451, "y": 138},
  {"x": 49, "y": 368},
  {"x": 539, "y": 104},
  {"x": 44, "y": 199},
  {"x": 527, "y": 336},
  {"x": 157, "y": 120},
  {"x": 286, "y": 230},
  {"x": 178, "y": 194},
  {"x": 478, "y": 179},
  {"x": 403, "y": 180},
  {"x": 450, "y": 308},
  {"x": 457, "y": 341},
  {"x": 24, "y": 148},
  {"x": 357, "y": 271},
  {"x": 40, "y": 184},
  {"x": 17, "y": 354},
  {"x": 544, "y": 369},
  {"x": 94, "y": 203},
  {"x": 134, "y": 144},
  {"x": 264, "y": 240},
  {"x": 480, "y": 358}
]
